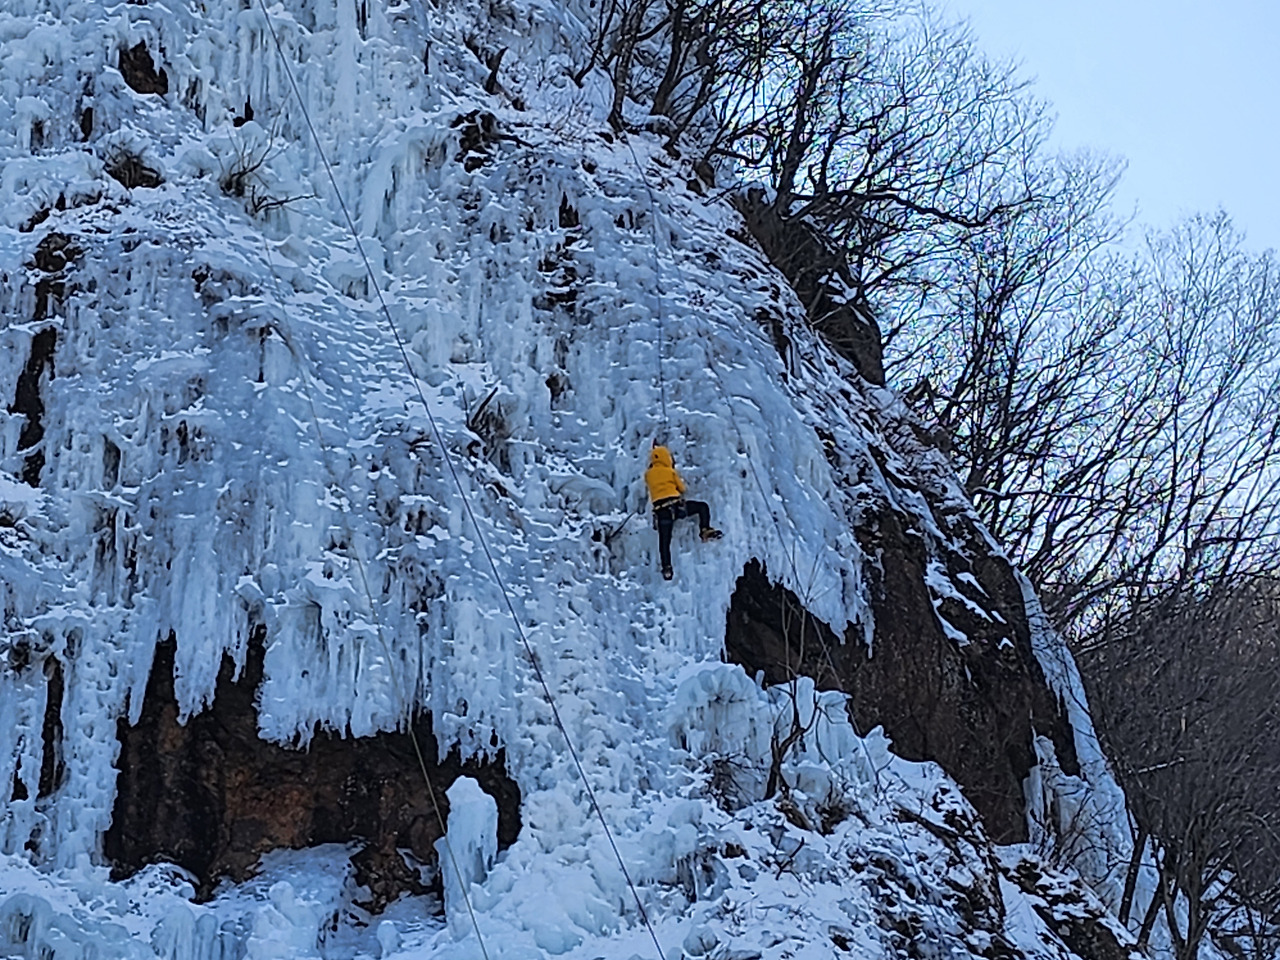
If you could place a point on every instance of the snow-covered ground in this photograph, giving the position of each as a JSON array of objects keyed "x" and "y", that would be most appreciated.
[{"x": 232, "y": 437}]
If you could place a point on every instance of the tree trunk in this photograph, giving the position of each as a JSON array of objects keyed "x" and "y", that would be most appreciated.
[
  {"x": 667, "y": 86},
  {"x": 1131, "y": 876},
  {"x": 1153, "y": 911},
  {"x": 628, "y": 32}
]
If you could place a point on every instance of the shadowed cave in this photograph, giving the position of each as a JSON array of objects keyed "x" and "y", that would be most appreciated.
[
  {"x": 974, "y": 710},
  {"x": 212, "y": 797}
]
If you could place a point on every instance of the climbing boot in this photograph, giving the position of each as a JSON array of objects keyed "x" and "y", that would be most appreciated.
[
  {"x": 667, "y": 573},
  {"x": 710, "y": 533}
]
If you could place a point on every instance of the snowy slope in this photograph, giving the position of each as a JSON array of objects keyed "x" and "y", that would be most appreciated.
[{"x": 231, "y": 437}]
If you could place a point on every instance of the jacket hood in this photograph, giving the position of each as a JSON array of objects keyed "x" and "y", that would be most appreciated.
[{"x": 660, "y": 457}]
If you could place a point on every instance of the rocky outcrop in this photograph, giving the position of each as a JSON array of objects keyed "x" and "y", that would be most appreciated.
[
  {"x": 972, "y": 705},
  {"x": 211, "y": 796},
  {"x": 820, "y": 276},
  {"x": 140, "y": 71},
  {"x": 947, "y": 668},
  {"x": 1067, "y": 907}
]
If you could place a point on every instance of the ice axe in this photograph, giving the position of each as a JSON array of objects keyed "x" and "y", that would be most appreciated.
[{"x": 608, "y": 537}]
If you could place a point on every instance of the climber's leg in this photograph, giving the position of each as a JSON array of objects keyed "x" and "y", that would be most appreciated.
[
  {"x": 703, "y": 512},
  {"x": 666, "y": 518},
  {"x": 699, "y": 509}
]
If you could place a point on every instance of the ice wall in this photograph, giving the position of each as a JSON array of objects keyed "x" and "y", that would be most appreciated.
[{"x": 231, "y": 437}]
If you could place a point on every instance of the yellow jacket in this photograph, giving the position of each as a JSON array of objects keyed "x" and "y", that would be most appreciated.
[{"x": 661, "y": 477}]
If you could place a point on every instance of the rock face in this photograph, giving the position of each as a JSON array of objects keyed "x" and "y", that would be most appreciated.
[
  {"x": 820, "y": 276},
  {"x": 948, "y": 669},
  {"x": 1068, "y": 908},
  {"x": 211, "y": 796},
  {"x": 973, "y": 706},
  {"x": 140, "y": 72}
]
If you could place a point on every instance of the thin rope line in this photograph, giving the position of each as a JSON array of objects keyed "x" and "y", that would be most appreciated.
[
  {"x": 326, "y": 450},
  {"x": 789, "y": 555},
  {"x": 448, "y": 459},
  {"x": 660, "y": 306}
]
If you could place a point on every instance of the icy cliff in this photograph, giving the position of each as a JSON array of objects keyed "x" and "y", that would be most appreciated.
[{"x": 217, "y": 476}]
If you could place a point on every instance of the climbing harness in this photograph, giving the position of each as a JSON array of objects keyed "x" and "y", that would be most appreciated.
[{"x": 462, "y": 493}]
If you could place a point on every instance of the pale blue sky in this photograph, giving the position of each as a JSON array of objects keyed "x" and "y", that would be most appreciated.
[{"x": 1187, "y": 90}]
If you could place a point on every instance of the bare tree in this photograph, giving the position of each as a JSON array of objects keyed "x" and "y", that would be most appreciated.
[
  {"x": 1186, "y": 693},
  {"x": 708, "y": 45},
  {"x": 680, "y": 57},
  {"x": 1202, "y": 474},
  {"x": 1003, "y": 341},
  {"x": 892, "y": 133},
  {"x": 1117, "y": 421}
]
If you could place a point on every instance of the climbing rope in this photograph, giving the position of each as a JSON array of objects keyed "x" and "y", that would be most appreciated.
[
  {"x": 462, "y": 493},
  {"x": 789, "y": 554},
  {"x": 659, "y": 304}
]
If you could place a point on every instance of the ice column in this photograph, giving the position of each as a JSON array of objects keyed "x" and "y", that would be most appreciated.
[{"x": 467, "y": 850}]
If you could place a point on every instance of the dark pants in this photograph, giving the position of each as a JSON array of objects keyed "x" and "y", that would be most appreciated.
[{"x": 667, "y": 512}]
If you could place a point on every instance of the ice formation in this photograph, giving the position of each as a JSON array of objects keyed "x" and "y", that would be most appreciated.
[
  {"x": 228, "y": 438},
  {"x": 466, "y": 852}
]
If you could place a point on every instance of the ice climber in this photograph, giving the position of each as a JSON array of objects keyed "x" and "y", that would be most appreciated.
[{"x": 666, "y": 493}]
